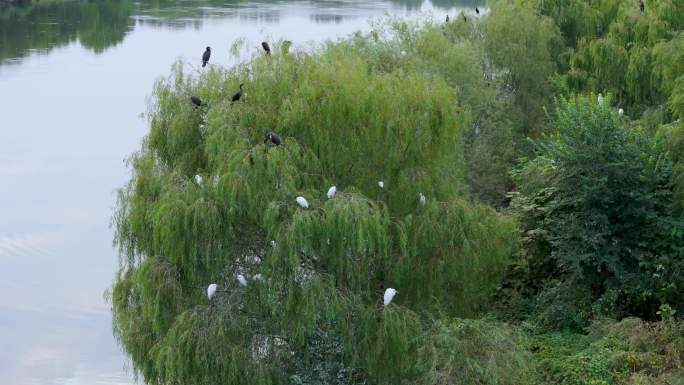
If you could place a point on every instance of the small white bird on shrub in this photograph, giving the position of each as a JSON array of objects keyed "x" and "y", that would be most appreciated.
[
  {"x": 599, "y": 99},
  {"x": 389, "y": 294},
  {"x": 331, "y": 192},
  {"x": 198, "y": 179},
  {"x": 302, "y": 202},
  {"x": 381, "y": 184},
  {"x": 621, "y": 111},
  {"x": 242, "y": 280},
  {"x": 211, "y": 290},
  {"x": 421, "y": 199},
  {"x": 257, "y": 277}
]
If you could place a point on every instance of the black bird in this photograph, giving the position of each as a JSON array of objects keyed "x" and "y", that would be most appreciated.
[
  {"x": 273, "y": 138},
  {"x": 641, "y": 5},
  {"x": 206, "y": 56},
  {"x": 477, "y": 10},
  {"x": 447, "y": 18},
  {"x": 266, "y": 47},
  {"x": 197, "y": 101},
  {"x": 237, "y": 95},
  {"x": 464, "y": 17}
]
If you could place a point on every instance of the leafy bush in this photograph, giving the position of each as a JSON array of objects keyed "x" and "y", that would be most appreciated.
[{"x": 599, "y": 210}]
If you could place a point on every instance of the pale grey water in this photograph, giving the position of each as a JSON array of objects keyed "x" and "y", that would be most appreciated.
[{"x": 73, "y": 81}]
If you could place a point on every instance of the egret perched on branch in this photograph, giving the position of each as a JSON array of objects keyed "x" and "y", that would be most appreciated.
[
  {"x": 620, "y": 111},
  {"x": 302, "y": 202},
  {"x": 381, "y": 184},
  {"x": 273, "y": 138},
  {"x": 389, "y": 294},
  {"x": 198, "y": 179},
  {"x": 237, "y": 95},
  {"x": 257, "y": 277},
  {"x": 331, "y": 192},
  {"x": 211, "y": 290},
  {"x": 205, "y": 57},
  {"x": 242, "y": 280},
  {"x": 266, "y": 47},
  {"x": 421, "y": 199},
  {"x": 599, "y": 99}
]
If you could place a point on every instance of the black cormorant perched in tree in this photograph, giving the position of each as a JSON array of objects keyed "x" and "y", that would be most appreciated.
[
  {"x": 205, "y": 56},
  {"x": 197, "y": 101},
  {"x": 477, "y": 10},
  {"x": 273, "y": 138},
  {"x": 641, "y": 5},
  {"x": 266, "y": 47},
  {"x": 237, "y": 95},
  {"x": 447, "y": 18}
]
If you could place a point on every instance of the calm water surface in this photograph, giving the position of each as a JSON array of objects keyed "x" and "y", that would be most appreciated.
[{"x": 73, "y": 81}]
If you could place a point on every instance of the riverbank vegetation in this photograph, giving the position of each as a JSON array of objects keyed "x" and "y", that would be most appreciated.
[{"x": 546, "y": 138}]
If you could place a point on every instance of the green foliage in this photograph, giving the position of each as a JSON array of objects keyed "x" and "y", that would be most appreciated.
[
  {"x": 615, "y": 48},
  {"x": 209, "y": 200},
  {"x": 519, "y": 42},
  {"x": 435, "y": 109},
  {"x": 476, "y": 352},
  {"x": 627, "y": 352},
  {"x": 598, "y": 212}
]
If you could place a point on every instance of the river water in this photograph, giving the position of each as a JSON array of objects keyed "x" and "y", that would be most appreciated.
[{"x": 74, "y": 78}]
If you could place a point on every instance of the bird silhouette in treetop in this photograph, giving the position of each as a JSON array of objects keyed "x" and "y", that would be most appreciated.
[
  {"x": 197, "y": 101},
  {"x": 205, "y": 57},
  {"x": 273, "y": 138},
  {"x": 266, "y": 47},
  {"x": 237, "y": 95}
]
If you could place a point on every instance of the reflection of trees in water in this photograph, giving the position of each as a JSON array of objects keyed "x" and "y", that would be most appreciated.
[
  {"x": 97, "y": 25},
  {"x": 101, "y": 24},
  {"x": 326, "y": 19},
  {"x": 446, "y": 4}
]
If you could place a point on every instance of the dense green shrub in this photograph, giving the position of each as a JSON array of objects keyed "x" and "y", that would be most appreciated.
[
  {"x": 627, "y": 352},
  {"x": 598, "y": 212}
]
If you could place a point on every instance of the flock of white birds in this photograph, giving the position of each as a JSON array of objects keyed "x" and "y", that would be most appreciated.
[{"x": 303, "y": 203}]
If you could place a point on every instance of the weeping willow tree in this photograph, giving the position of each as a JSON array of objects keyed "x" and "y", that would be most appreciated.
[
  {"x": 209, "y": 200},
  {"x": 614, "y": 47}
]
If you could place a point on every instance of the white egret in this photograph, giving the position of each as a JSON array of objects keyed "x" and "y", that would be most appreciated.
[
  {"x": 381, "y": 184},
  {"x": 198, "y": 179},
  {"x": 331, "y": 192},
  {"x": 421, "y": 199},
  {"x": 302, "y": 202},
  {"x": 257, "y": 277},
  {"x": 599, "y": 99},
  {"x": 389, "y": 294},
  {"x": 620, "y": 111},
  {"x": 273, "y": 243},
  {"x": 211, "y": 290},
  {"x": 242, "y": 280},
  {"x": 215, "y": 180}
]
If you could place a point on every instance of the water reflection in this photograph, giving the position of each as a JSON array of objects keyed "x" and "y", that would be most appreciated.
[
  {"x": 40, "y": 28},
  {"x": 99, "y": 25}
]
